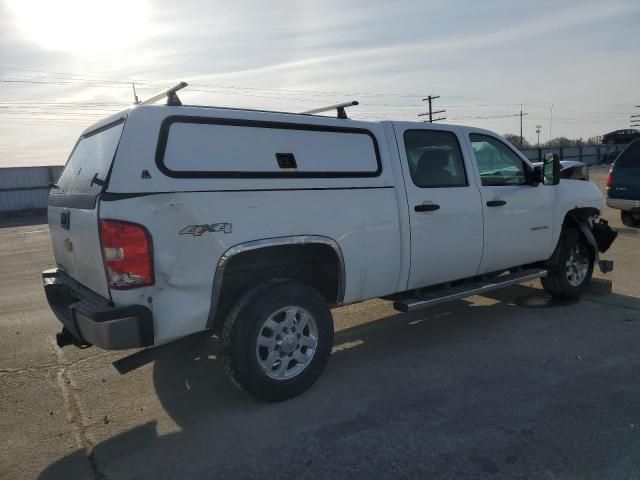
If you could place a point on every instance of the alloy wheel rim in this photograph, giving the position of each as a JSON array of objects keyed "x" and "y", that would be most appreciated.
[
  {"x": 577, "y": 265},
  {"x": 287, "y": 342}
]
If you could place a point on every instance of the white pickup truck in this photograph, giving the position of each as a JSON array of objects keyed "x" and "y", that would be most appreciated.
[{"x": 170, "y": 219}]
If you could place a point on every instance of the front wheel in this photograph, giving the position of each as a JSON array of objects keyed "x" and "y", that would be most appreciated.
[
  {"x": 570, "y": 267},
  {"x": 277, "y": 339}
]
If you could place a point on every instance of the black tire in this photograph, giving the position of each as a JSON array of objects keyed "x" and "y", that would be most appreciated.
[
  {"x": 557, "y": 282},
  {"x": 629, "y": 220},
  {"x": 245, "y": 323}
]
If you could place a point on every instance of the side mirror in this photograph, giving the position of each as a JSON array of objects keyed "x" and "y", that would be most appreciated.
[{"x": 551, "y": 169}]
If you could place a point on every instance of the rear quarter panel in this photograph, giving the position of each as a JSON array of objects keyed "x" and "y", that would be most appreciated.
[{"x": 363, "y": 222}]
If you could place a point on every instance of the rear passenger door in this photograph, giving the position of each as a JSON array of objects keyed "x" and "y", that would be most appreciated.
[{"x": 445, "y": 210}]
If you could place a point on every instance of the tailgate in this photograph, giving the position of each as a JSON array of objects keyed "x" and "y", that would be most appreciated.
[
  {"x": 73, "y": 207},
  {"x": 77, "y": 248}
]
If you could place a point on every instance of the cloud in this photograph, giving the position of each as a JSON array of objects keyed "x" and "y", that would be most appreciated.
[{"x": 581, "y": 15}]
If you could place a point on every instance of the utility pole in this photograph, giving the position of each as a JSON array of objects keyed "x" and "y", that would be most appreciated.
[
  {"x": 550, "y": 124},
  {"x": 636, "y": 122},
  {"x": 538, "y": 128},
  {"x": 521, "y": 115},
  {"x": 431, "y": 113}
]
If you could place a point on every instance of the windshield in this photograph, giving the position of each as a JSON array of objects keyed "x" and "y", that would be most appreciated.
[{"x": 92, "y": 156}]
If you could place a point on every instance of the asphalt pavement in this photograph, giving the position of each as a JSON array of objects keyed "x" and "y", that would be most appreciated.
[{"x": 510, "y": 385}]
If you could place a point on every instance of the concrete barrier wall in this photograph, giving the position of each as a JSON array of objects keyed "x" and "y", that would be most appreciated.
[{"x": 26, "y": 188}]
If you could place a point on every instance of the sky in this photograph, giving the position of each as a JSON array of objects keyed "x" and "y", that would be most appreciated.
[{"x": 574, "y": 66}]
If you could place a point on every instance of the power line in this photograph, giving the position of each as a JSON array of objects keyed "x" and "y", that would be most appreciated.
[
  {"x": 70, "y": 110},
  {"x": 105, "y": 82},
  {"x": 127, "y": 82}
]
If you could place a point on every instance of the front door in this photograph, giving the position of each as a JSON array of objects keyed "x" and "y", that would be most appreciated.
[
  {"x": 518, "y": 217},
  {"x": 445, "y": 210}
]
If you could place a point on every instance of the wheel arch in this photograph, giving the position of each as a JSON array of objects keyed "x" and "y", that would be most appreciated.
[
  {"x": 578, "y": 218},
  {"x": 572, "y": 217},
  {"x": 580, "y": 214},
  {"x": 267, "y": 259}
]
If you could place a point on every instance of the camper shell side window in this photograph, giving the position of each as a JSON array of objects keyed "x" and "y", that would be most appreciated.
[{"x": 203, "y": 147}]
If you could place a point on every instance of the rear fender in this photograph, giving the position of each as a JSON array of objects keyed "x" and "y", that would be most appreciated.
[{"x": 264, "y": 246}]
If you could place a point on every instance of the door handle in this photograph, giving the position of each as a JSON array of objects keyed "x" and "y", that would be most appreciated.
[
  {"x": 426, "y": 207},
  {"x": 496, "y": 203}
]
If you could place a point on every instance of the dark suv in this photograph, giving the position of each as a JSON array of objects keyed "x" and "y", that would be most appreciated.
[
  {"x": 623, "y": 185},
  {"x": 621, "y": 136}
]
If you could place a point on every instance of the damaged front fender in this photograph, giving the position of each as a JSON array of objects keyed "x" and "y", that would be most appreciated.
[
  {"x": 600, "y": 236},
  {"x": 603, "y": 234}
]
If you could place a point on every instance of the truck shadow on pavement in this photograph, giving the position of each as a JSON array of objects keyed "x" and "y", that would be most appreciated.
[{"x": 464, "y": 390}]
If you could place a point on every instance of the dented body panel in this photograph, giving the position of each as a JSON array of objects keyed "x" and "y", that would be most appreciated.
[
  {"x": 574, "y": 195},
  {"x": 185, "y": 265}
]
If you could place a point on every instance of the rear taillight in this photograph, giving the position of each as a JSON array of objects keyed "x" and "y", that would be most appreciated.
[
  {"x": 128, "y": 254},
  {"x": 609, "y": 183}
]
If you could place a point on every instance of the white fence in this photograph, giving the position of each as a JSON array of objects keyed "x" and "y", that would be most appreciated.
[{"x": 26, "y": 188}]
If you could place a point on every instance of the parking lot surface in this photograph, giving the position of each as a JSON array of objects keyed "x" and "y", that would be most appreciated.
[{"x": 507, "y": 386}]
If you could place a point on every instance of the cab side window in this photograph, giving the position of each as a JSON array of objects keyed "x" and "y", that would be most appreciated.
[
  {"x": 434, "y": 159},
  {"x": 498, "y": 164}
]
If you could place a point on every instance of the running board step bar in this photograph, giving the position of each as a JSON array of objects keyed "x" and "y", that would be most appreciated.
[{"x": 428, "y": 299}]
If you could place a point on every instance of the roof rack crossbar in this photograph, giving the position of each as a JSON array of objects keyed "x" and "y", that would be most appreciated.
[
  {"x": 172, "y": 96},
  {"x": 340, "y": 108}
]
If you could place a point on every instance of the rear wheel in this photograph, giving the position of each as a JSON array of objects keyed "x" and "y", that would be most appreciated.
[
  {"x": 629, "y": 219},
  {"x": 570, "y": 267},
  {"x": 277, "y": 339}
]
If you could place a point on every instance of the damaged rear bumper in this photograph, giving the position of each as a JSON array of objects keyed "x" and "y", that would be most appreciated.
[{"x": 90, "y": 319}]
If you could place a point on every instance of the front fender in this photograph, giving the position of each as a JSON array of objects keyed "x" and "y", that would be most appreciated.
[{"x": 574, "y": 196}]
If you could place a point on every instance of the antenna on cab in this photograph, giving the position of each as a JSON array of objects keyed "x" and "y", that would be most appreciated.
[{"x": 135, "y": 97}]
